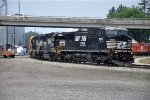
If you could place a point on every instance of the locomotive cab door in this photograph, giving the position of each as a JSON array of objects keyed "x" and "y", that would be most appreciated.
[
  {"x": 96, "y": 39},
  {"x": 102, "y": 40}
]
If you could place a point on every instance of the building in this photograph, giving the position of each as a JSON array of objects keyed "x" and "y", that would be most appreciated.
[{"x": 19, "y": 35}]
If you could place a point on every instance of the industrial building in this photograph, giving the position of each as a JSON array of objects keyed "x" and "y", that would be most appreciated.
[{"x": 9, "y": 39}]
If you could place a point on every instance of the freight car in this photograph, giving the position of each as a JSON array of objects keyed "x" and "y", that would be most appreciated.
[
  {"x": 95, "y": 45},
  {"x": 140, "y": 49}
]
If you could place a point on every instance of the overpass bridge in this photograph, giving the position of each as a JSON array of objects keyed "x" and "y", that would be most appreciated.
[{"x": 72, "y": 22}]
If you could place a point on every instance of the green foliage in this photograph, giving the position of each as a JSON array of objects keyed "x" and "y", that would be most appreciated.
[
  {"x": 126, "y": 12},
  {"x": 140, "y": 35},
  {"x": 28, "y": 35},
  {"x": 20, "y": 43},
  {"x": 111, "y": 11},
  {"x": 145, "y": 5},
  {"x": 131, "y": 12}
]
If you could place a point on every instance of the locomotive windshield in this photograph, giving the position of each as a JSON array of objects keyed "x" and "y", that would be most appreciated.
[
  {"x": 123, "y": 32},
  {"x": 112, "y": 33}
]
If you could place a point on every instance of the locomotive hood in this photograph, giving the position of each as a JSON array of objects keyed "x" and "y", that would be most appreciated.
[{"x": 121, "y": 38}]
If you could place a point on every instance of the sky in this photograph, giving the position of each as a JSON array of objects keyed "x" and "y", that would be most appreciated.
[{"x": 68, "y": 8}]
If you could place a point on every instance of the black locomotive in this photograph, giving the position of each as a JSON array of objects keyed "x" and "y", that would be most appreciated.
[{"x": 95, "y": 45}]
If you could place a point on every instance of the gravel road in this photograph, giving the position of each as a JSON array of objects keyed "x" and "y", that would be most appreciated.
[{"x": 23, "y": 78}]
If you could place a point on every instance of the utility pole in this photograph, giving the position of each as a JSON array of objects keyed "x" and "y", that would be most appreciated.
[
  {"x": 14, "y": 38},
  {"x": 19, "y": 7},
  {"x": 3, "y": 11},
  {"x": 6, "y": 48},
  {"x": 6, "y": 26},
  {"x": 6, "y": 37},
  {"x": 6, "y": 7}
]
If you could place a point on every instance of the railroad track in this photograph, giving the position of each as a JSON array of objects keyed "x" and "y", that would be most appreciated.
[
  {"x": 99, "y": 65},
  {"x": 140, "y": 66},
  {"x": 27, "y": 59}
]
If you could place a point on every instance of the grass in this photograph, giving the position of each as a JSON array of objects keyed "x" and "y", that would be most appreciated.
[
  {"x": 140, "y": 56},
  {"x": 145, "y": 61}
]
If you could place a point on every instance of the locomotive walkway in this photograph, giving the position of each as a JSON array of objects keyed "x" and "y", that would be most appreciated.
[{"x": 72, "y": 22}]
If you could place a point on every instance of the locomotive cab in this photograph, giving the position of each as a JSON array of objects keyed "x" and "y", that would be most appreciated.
[{"x": 119, "y": 41}]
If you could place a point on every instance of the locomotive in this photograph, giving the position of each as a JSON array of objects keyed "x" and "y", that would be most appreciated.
[{"x": 109, "y": 46}]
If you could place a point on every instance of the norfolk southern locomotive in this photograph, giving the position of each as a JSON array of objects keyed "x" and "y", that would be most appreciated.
[{"x": 95, "y": 45}]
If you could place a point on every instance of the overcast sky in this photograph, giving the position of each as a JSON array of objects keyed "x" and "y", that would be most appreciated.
[{"x": 69, "y": 8}]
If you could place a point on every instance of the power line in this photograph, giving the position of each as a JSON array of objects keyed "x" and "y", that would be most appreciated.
[
  {"x": 3, "y": 11},
  {"x": 3, "y": 7}
]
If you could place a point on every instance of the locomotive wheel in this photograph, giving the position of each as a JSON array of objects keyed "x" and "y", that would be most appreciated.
[
  {"x": 98, "y": 62},
  {"x": 75, "y": 62},
  {"x": 49, "y": 58},
  {"x": 106, "y": 62},
  {"x": 42, "y": 56},
  {"x": 12, "y": 56},
  {"x": 65, "y": 60},
  {"x": 5, "y": 56},
  {"x": 113, "y": 64}
]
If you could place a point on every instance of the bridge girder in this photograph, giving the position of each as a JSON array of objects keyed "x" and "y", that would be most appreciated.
[{"x": 72, "y": 22}]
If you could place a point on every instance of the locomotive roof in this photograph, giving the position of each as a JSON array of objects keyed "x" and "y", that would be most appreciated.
[
  {"x": 69, "y": 33},
  {"x": 66, "y": 33}
]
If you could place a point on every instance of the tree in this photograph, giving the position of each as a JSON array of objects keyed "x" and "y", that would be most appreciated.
[
  {"x": 140, "y": 35},
  {"x": 126, "y": 12},
  {"x": 145, "y": 5},
  {"x": 111, "y": 11},
  {"x": 28, "y": 35},
  {"x": 121, "y": 7},
  {"x": 132, "y": 12},
  {"x": 20, "y": 43}
]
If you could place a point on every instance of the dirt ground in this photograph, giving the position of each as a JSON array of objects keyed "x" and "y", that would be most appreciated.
[{"x": 23, "y": 78}]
